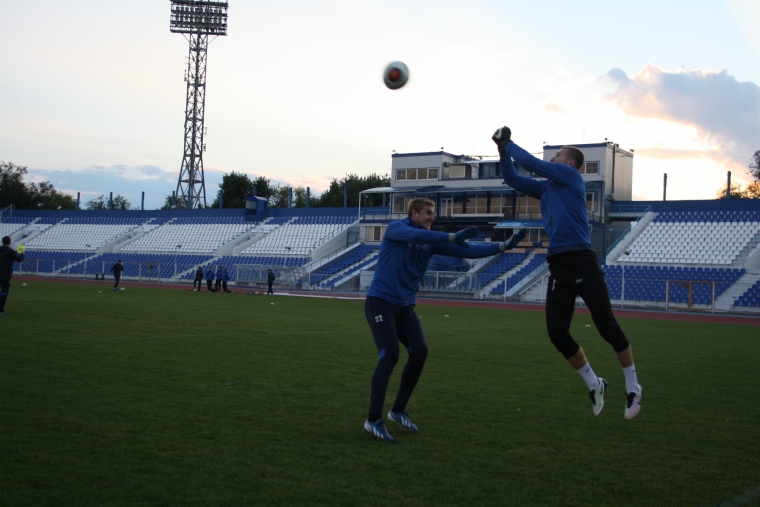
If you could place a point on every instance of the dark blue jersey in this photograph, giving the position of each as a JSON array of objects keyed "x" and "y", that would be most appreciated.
[
  {"x": 562, "y": 195},
  {"x": 7, "y": 257},
  {"x": 404, "y": 256}
]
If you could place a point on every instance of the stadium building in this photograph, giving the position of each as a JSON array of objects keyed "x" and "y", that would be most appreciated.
[{"x": 694, "y": 255}]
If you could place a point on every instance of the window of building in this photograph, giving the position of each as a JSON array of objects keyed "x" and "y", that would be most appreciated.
[
  {"x": 417, "y": 174},
  {"x": 528, "y": 207},
  {"x": 375, "y": 233},
  {"x": 490, "y": 170},
  {"x": 400, "y": 203},
  {"x": 592, "y": 202},
  {"x": 590, "y": 168}
]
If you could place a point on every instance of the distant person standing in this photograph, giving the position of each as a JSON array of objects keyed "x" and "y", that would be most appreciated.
[
  {"x": 270, "y": 282},
  {"x": 117, "y": 269},
  {"x": 198, "y": 278},
  {"x": 225, "y": 279},
  {"x": 219, "y": 276},
  {"x": 210, "y": 279},
  {"x": 7, "y": 257}
]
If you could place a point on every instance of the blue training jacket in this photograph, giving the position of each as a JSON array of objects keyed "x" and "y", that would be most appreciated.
[
  {"x": 404, "y": 256},
  {"x": 562, "y": 194},
  {"x": 209, "y": 274}
]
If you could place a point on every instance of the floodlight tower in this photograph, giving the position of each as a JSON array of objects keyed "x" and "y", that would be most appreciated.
[{"x": 196, "y": 19}]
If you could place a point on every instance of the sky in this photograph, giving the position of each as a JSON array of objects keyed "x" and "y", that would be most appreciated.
[{"x": 92, "y": 94}]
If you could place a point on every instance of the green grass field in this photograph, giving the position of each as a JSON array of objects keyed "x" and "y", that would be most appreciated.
[{"x": 165, "y": 397}]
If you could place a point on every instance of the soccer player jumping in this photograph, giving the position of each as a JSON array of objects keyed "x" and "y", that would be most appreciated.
[
  {"x": 406, "y": 249},
  {"x": 573, "y": 265}
]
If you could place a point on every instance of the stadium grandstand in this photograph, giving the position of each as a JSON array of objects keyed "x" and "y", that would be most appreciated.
[
  {"x": 672, "y": 255},
  {"x": 691, "y": 255}
]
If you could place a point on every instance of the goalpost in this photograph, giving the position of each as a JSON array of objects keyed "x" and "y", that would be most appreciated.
[
  {"x": 150, "y": 272},
  {"x": 690, "y": 295}
]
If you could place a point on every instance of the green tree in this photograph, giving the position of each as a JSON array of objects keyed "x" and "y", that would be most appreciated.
[
  {"x": 739, "y": 191},
  {"x": 754, "y": 166},
  {"x": 14, "y": 191},
  {"x": 236, "y": 187},
  {"x": 333, "y": 196},
  {"x": 280, "y": 196},
  {"x": 170, "y": 204},
  {"x": 100, "y": 203}
]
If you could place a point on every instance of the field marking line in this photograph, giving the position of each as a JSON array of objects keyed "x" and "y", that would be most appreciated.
[{"x": 744, "y": 498}]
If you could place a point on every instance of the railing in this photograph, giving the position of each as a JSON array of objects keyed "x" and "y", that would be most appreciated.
[
  {"x": 628, "y": 208},
  {"x": 9, "y": 210},
  {"x": 620, "y": 238}
]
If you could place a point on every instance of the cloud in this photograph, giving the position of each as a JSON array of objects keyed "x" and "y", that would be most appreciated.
[
  {"x": 129, "y": 181},
  {"x": 724, "y": 111},
  {"x": 671, "y": 153}
]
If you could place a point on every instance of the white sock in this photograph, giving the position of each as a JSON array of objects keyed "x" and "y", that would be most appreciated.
[
  {"x": 588, "y": 376},
  {"x": 631, "y": 384}
]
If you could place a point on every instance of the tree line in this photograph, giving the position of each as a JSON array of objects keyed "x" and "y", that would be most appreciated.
[
  {"x": 237, "y": 187},
  {"x": 750, "y": 190}
]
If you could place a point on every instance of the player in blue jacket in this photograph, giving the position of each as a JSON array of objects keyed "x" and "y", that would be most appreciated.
[
  {"x": 404, "y": 255},
  {"x": 573, "y": 265},
  {"x": 225, "y": 279},
  {"x": 210, "y": 279}
]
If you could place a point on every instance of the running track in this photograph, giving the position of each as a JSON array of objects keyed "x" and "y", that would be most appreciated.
[{"x": 743, "y": 320}]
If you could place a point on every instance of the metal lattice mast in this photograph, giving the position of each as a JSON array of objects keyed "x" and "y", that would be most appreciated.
[{"x": 197, "y": 19}]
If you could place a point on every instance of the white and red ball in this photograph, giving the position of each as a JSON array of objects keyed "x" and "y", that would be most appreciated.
[{"x": 396, "y": 75}]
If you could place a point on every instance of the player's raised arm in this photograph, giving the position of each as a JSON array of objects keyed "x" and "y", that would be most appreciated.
[
  {"x": 405, "y": 233},
  {"x": 558, "y": 169}
]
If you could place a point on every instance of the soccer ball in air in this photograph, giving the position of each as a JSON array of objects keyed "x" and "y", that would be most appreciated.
[
  {"x": 396, "y": 75},
  {"x": 23, "y": 285},
  {"x": 123, "y": 289}
]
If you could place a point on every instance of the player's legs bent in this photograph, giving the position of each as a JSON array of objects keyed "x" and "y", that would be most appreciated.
[
  {"x": 116, "y": 283},
  {"x": 411, "y": 335},
  {"x": 595, "y": 295},
  {"x": 5, "y": 287},
  {"x": 381, "y": 317},
  {"x": 560, "y": 306}
]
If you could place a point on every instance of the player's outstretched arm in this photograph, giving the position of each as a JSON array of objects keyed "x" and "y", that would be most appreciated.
[
  {"x": 399, "y": 231},
  {"x": 503, "y": 138},
  {"x": 514, "y": 240},
  {"x": 561, "y": 173}
]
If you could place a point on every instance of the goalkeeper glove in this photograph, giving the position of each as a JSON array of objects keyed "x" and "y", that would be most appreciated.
[
  {"x": 514, "y": 240},
  {"x": 21, "y": 249},
  {"x": 501, "y": 137},
  {"x": 462, "y": 236}
]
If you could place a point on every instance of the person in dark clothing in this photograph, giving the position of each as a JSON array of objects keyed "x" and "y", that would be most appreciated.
[
  {"x": 117, "y": 269},
  {"x": 573, "y": 265},
  {"x": 210, "y": 279},
  {"x": 7, "y": 257},
  {"x": 404, "y": 256},
  {"x": 225, "y": 279},
  {"x": 270, "y": 282},
  {"x": 198, "y": 278},
  {"x": 218, "y": 285}
]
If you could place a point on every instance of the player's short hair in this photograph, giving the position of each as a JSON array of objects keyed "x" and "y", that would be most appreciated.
[
  {"x": 6, "y": 240},
  {"x": 576, "y": 155},
  {"x": 418, "y": 204}
]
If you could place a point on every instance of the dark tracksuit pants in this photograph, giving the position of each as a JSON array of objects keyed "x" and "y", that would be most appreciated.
[
  {"x": 577, "y": 273},
  {"x": 218, "y": 285},
  {"x": 391, "y": 324},
  {"x": 117, "y": 279},
  {"x": 209, "y": 284},
  {"x": 198, "y": 281},
  {"x": 5, "y": 287}
]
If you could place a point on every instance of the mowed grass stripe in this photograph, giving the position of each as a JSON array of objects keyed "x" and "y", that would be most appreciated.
[{"x": 151, "y": 397}]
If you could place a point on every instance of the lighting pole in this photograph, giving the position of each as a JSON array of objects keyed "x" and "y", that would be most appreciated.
[
  {"x": 196, "y": 20},
  {"x": 175, "y": 259},
  {"x": 85, "y": 262}
]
